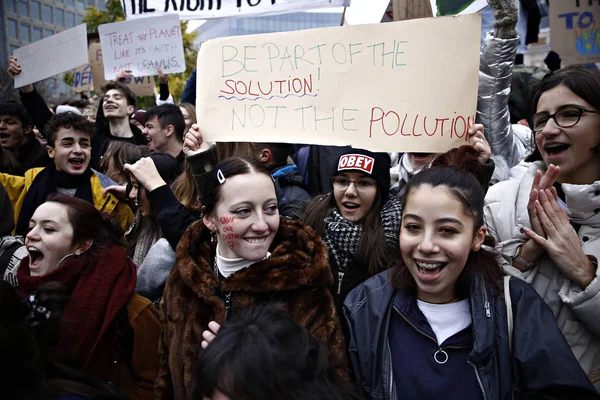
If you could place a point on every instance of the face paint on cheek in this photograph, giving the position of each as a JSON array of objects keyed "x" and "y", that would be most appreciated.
[
  {"x": 538, "y": 140},
  {"x": 226, "y": 220},
  {"x": 231, "y": 244}
]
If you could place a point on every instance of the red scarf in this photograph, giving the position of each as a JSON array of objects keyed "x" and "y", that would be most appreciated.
[{"x": 102, "y": 286}]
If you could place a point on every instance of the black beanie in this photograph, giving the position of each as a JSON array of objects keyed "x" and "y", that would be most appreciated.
[
  {"x": 375, "y": 165},
  {"x": 16, "y": 110},
  {"x": 167, "y": 166}
]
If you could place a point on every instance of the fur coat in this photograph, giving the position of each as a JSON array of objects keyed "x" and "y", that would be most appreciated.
[{"x": 297, "y": 275}]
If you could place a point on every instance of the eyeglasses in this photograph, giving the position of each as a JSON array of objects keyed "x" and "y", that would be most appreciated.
[
  {"x": 564, "y": 117},
  {"x": 362, "y": 184}
]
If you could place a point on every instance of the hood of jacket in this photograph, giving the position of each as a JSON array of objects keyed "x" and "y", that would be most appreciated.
[{"x": 299, "y": 259}]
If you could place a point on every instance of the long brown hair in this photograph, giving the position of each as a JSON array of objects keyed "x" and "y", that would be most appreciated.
[
  {"x": 373, "y": 250},
  {"x": 185, "y": 190},
  {"x": 460, "y": 171}
]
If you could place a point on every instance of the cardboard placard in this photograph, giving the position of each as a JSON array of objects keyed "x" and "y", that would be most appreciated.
[
  {"x": 456, "y": 7},
  {"x": 51, "y": 56},
  {"x": 141, "y": 86},
  {"x": 83, "y": 79},
  {"x": 575, "y": 30},
  {"x": 208, "y": 9},
  {"x": 143, "y": 46},
  {"x": 383, "y": 87}
]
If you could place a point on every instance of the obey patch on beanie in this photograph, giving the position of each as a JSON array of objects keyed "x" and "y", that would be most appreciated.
[{"x": 358, "y": 162}]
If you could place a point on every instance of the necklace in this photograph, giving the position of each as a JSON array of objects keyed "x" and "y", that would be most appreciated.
[{"x": 445, "y": 302}]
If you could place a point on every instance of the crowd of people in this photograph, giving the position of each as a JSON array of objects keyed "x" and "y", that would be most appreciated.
[{"x": 140, "y": 261}]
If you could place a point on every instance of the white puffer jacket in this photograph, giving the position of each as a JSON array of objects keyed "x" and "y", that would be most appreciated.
[{"x": 577, "y": 311}]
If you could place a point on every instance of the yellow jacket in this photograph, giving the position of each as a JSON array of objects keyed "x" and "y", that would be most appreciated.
[{"x": 17, "y": 187}]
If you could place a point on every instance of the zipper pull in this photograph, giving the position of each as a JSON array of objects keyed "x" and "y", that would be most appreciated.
[
  {"x": 340, "y": 278},
  {"x": 486, "y": 305},
  {"x": 227, "y": 305}
]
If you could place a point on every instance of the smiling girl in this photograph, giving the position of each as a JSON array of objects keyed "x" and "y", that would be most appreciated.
[
  {"x": 239, "y": 255},
  {"x": 436, "y": 325},
  {"x": 358, "y": 220},
  {"x": 547, "y": 224}
]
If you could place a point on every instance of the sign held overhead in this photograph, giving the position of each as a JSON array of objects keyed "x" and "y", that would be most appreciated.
[
  {"x": 142, "y": 46},
  {"x": 376, "y": 87},
  {"x": 208, "y": 9},
  {"x": 58, "y": 53}
]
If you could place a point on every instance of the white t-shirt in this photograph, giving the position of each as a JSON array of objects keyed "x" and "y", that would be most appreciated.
[{"x": 446, "y": 320}]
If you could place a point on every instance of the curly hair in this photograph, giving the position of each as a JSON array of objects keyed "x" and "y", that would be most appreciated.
[{"x": 67, "y": 120}]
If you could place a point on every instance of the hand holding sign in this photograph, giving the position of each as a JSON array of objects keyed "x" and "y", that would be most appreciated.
[{"x": 14, "y": 69}]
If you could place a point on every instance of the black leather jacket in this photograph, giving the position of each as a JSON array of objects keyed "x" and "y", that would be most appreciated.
[{"x": 543, "y": 364}]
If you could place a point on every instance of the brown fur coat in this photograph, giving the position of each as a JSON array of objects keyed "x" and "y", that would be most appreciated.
[{"x": 297, "y": 275}]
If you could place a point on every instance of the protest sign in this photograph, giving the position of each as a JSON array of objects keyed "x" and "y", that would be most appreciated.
[
  {"x": 454, "y": 7},
  {"x": 201, "y": 9},
  {"x": 141, "y": 86},
  {"x": 383, "y": 87},
  {"x": 575, "y": 30},
  {"x": 365, "y": 12},
  {"x": 82, "y": 81},
  {"x": 51, "y": 56},
  {"x": 142, "y": 46}
]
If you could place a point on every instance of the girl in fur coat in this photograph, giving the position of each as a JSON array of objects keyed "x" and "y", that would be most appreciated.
[{"x": 241, "y": 255}]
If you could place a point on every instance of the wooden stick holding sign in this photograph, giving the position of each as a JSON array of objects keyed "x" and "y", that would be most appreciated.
[{"x": 400, "y": 86}]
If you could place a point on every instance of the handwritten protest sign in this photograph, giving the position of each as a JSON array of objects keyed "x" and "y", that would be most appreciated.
[
  {"x": 201, "y": 9},
  {"x": 385, "y": 87},
  {"x": 575, "y": 30},
  {"x": 51, "y": 56},
  {"x": 83, "y": 79},
  {"x": 455, "y": 7},
  {"x": 141, "y": 86},
  {"x": 142, "y": 46}
]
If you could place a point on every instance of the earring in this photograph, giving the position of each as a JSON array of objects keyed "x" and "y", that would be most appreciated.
[{"x": 213, "y": 236}]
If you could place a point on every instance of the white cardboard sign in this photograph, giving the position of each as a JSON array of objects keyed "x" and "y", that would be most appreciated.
[
  {"x": 142, "y": 46},
  {"x": 50, "y": 56},
  {"x": 208, "y": 9},
  {"x": 400, "y": 86}
]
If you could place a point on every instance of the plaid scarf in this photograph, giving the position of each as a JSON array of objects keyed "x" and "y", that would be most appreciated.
[{"x": 342, "y": 236}]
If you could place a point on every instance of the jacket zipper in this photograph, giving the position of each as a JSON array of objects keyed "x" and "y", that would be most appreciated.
[
  {"x": 340, "y": 278},
  {"x": 486, "y": 303},
  {"x": 391, "y": 373},
  {"x": 479, "y": 380},
  {"x": 227, "y": 305}
]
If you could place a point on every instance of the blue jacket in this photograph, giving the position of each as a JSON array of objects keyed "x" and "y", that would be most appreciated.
[{"x": 543, "y": 364}]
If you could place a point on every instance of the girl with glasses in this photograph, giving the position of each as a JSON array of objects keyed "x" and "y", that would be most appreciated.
[
  {"x": 358, "y": 220},
  {"x": 547, "y": 224},
  {"x": 436, "y": 326}
]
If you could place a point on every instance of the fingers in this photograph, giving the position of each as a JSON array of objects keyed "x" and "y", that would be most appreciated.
[
  {"x": 557, "y": 215},
  {"x": 213, "y": 326},
  {"x": 537, "y": 239},
  {"x": 193, "y": 138},
  {"x": 549, "y": 177},
  {"x": 208, "y": 337},
  {"x": 210, "y": 334},
  {"x": 547, "y": 221},
  {"x": 536, "y": 180},
  {"x": 116, "y": 190},
  {"x": 478, "y": 142}
]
